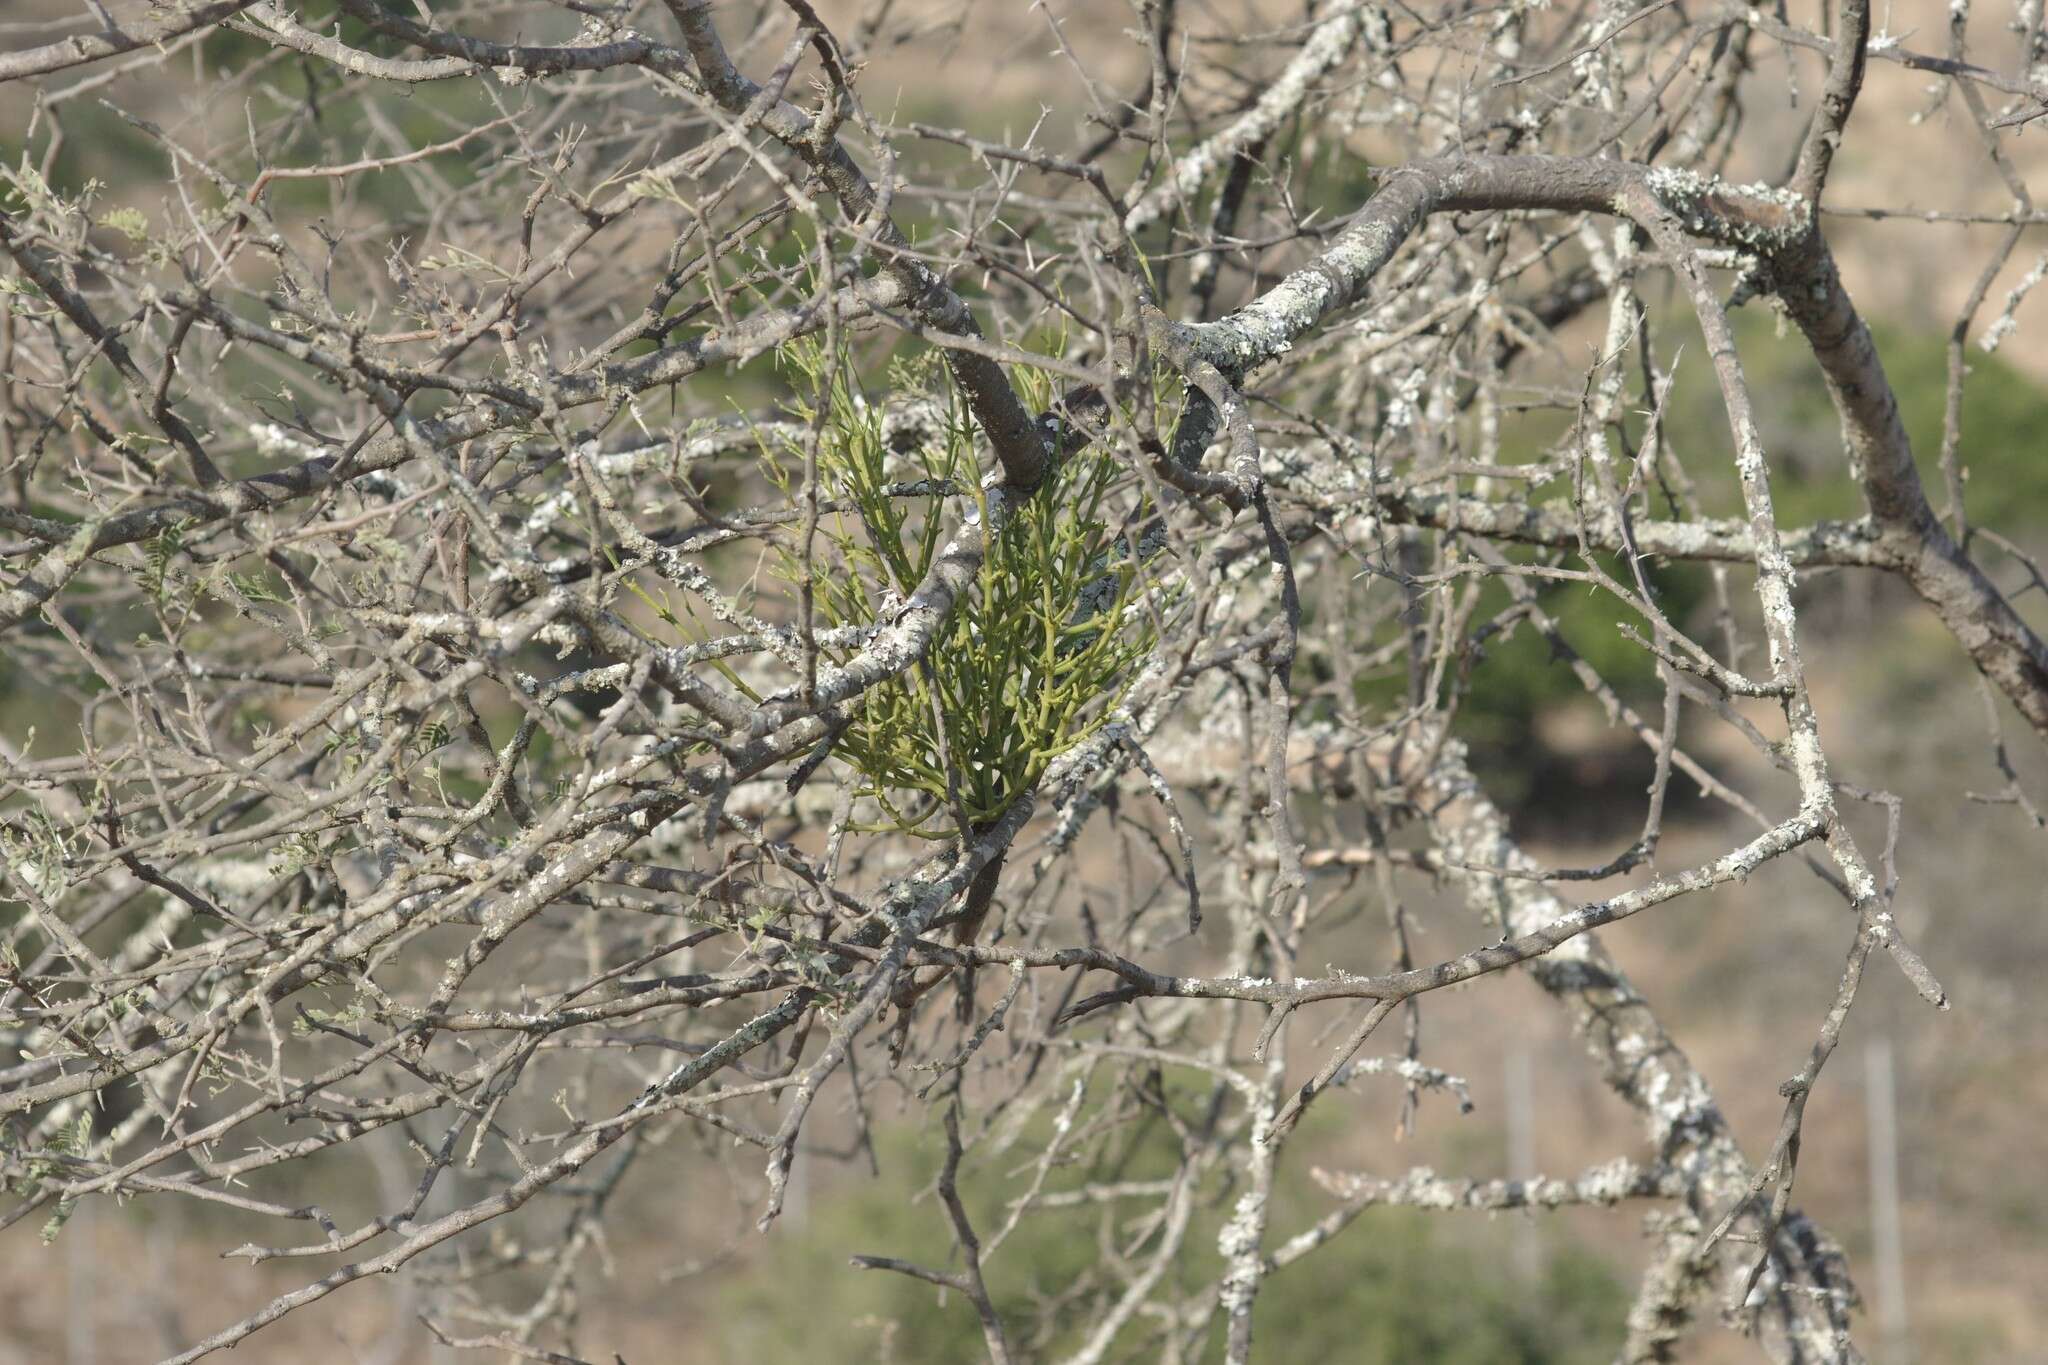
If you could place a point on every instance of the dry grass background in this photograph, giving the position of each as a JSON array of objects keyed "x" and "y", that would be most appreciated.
[{"x": 1742, "y": 975}]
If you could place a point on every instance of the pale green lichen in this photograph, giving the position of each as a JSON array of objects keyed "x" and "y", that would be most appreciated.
[{"x": 1702, "y": 204}]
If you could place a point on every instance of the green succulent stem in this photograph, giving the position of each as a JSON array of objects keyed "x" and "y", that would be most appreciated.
[{"x": 1035, "y": 658}]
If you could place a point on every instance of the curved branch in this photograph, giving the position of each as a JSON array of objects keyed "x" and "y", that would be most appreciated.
[
  {"x": 1639, "y": 1059},
  {"x": 84, "y": 48},
  {"x": 1911, "y": 537},
  {"x": 1019, "y": 444}
]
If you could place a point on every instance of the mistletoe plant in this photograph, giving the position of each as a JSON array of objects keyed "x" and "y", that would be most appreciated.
[{"x": 1039, "y": 654}]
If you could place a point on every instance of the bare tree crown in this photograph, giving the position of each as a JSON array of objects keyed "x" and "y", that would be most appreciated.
[{"x": 576, "y": 582}]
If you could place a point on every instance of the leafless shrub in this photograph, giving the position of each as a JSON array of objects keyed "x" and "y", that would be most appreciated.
[{"x": 597, "y": 605}]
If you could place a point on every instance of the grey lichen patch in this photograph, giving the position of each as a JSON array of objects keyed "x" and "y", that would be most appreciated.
[
  {"x": 1268, "y": 328},
  {"x": 1238, "y": 1242},
  {"x": 1760, "y": 217}
]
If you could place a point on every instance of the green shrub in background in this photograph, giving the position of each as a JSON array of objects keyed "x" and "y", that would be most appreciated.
[
  {"x": 2001, "y": 415},
  {"x": 1402, "y": 1286},
  {"x": 1518, "y": 675},
  {"x": 1395, "y": 1286}
]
